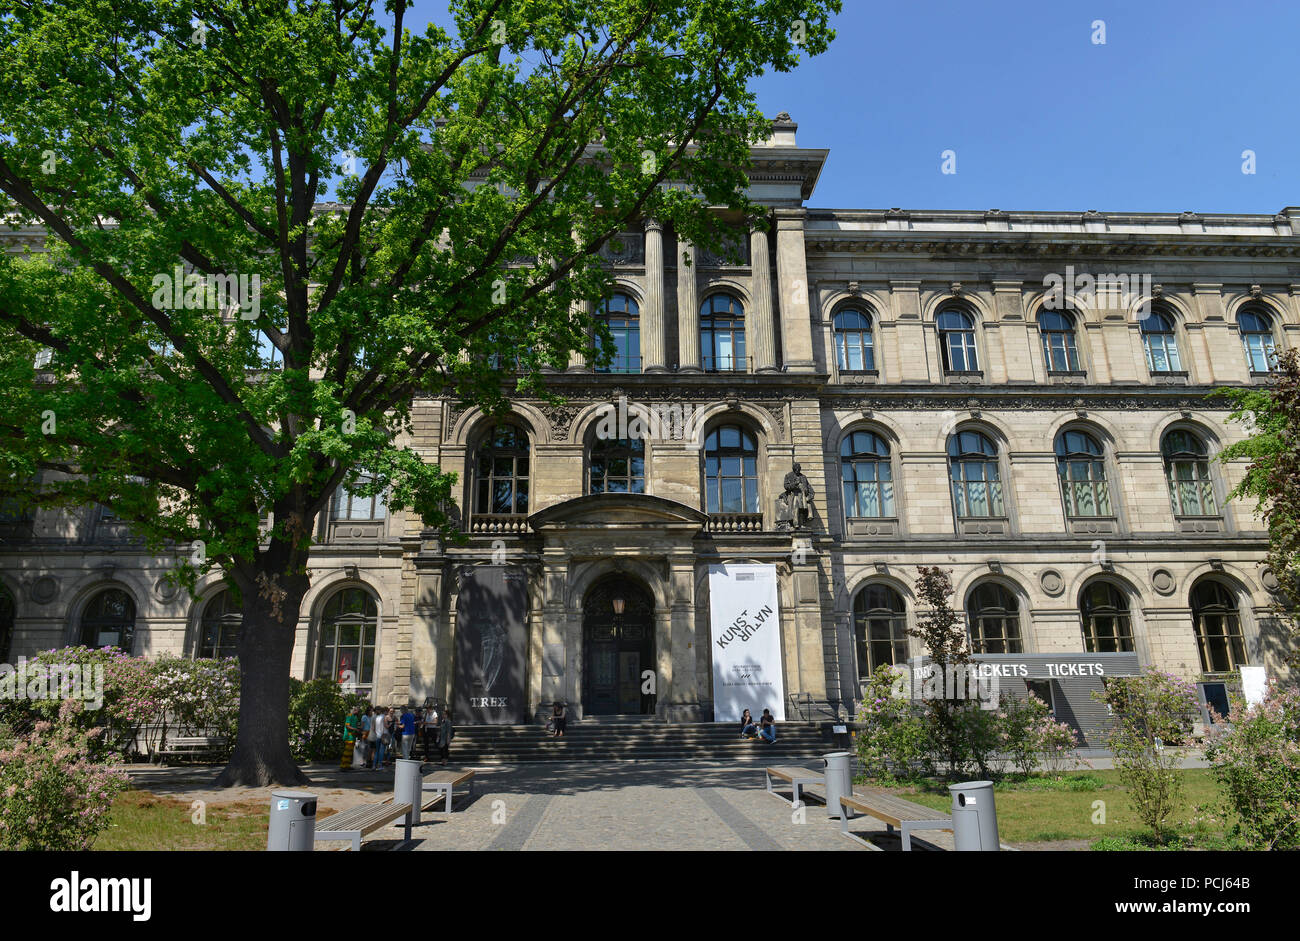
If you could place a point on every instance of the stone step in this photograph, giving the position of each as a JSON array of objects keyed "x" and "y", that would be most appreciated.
[{"x": 643, "y": 740}]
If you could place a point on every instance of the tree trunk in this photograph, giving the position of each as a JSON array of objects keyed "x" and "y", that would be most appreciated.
[{"x": 262, "y": 756}]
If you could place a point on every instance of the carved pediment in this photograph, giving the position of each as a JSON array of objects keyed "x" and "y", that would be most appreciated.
[{"x": 616, "y": 510}]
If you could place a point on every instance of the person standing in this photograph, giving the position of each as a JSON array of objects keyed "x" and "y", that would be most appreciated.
[
  {"x": 379, "y": 732},
  {"x": 351, "y": 729},
  {"x": 445, "y": 734},
  {"x": 367, "y": 740},
  {"x": 430, "y": 731},
  {"x": 398, "y": 733},
  {"x": 408, "y": 731}
]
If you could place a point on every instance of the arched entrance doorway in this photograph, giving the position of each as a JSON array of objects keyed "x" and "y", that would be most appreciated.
[{"x": 618, "y": 646}]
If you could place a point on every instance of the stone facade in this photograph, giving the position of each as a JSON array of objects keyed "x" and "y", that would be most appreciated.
[{"x": 795, "y": 396}]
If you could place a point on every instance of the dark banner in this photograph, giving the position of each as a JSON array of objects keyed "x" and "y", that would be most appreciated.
[{"x": 491, "y": 645}]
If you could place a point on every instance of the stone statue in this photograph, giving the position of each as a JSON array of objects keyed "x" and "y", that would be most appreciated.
[{"x": 794, "y": 506}]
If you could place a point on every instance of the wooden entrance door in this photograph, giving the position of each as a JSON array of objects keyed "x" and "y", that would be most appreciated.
[{"x": 617, "y": 648}]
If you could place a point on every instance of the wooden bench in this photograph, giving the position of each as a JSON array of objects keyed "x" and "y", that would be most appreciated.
[
  {"x": 895, "y": 812},
  {"x": 193, "y": 746},
  {"x": 362, "y": 820},
  {"x": 444, "y": 784},
  {"x": 797, "y": 778}
]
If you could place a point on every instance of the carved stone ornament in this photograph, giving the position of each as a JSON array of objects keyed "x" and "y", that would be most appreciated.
[
  {"x": 44, "y": 589},
  {"x": 1162, "y": 580}
]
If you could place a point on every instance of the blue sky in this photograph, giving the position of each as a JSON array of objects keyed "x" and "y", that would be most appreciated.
[{"x": 1040, "y": 116}]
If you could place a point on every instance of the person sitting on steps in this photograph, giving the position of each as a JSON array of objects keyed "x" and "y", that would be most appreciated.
[
  {"x": 747, "y": 727},
  {"x": 767, "y": 727}
]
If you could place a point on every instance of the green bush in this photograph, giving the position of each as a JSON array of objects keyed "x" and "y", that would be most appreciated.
[
  {"x": 891, "y": 735},
  {"x": 1148, "y": 713},
  {"x": 317, "y": 709},
  {"x": 1256, "y": 761}
]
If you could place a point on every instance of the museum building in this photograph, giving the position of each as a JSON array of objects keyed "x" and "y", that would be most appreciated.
[{"x": 1018, "y": 397}]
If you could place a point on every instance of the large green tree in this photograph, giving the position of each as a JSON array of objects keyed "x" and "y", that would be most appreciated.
[
  {"x": 1271, "y": 413},
  {"x": 476, "y": 171}
]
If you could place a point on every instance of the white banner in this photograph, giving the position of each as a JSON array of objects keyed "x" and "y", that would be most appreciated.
[{"x": 745, "y": 635}]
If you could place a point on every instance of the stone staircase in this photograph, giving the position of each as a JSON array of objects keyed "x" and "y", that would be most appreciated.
[{"x": 638, "y": 739}]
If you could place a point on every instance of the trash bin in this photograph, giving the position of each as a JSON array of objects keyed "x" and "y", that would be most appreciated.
[
  {"x": 293, "y": 821},
  {"x": 408, "y": 786},
  {"x": 839, "y": 780},
  {"x": 974, "y": 818}
]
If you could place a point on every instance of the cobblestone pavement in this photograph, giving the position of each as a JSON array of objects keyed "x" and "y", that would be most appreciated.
[{"x": 627, "y": 806}]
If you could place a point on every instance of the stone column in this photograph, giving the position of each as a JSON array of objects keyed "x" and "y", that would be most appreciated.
[
  {"x": 688, "y": 309},
  {"x": 578, "y": 358},
  {"x": 760, "y": 335},
  {"x": 652, "y": 312},
  {"x": 792, "y": 279}
]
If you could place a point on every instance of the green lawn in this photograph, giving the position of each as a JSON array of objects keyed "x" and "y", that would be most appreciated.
[
  {"x": 144, "y": 821},
  {"x": 1037, "y": 811}
]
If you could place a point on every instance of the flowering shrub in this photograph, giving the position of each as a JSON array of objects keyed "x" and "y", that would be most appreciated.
[
  {"x": 317, "y": 709},
  {"x": 141, "y": 698},
  {"x": 904, "y": 740},
  {"x": 199, "y": 696},
  {"x": 1257, "y": 763},
  {"x": 1056, "y": 743},
  {"x": 892, "y": 741},
  {"x": 1148, "y": 713},
  {"x": 53, "y": 794}
]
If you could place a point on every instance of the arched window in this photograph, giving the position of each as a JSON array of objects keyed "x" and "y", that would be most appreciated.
[
  {"x": 623, "y": 317},
  {"x": 7, "y": 609},
  {"x": 109, "y": 621},
  {"x": 1187, "y": 470},
  {"x": 617, "y": 465},
  {"x": 730, "y": 471},
  {"x": 501, "y": 471},
  {"x": 1056, "y": 330},
  {"x": 1081, "y": 466},
  {"x": 1107, "y": 627},
  {"x": 866, "y": 475},
  {"x": 219, "y": 629},
  {"x": 1160, "y": 342},
  {"x": 993, "y": 616},
  {"x": 1256, "y": 328},
  {"x": 722, "y": 334},
  {"x": 1218, "y": 627},
  {"x": 351, "y": 506},
  {"x": 957, "y": 341},
  {"x": 976, "y": 478},
  {"x": 880, "y": 628},
  {"x": 349, "y": 629},
  {"x": 854, "y": 349}
]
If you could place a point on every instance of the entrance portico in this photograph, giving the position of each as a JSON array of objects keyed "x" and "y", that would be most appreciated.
[{"x": 638, "y": 549}]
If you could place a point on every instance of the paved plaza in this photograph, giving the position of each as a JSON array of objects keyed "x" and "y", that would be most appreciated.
[{"x": 650, "y": 805}]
